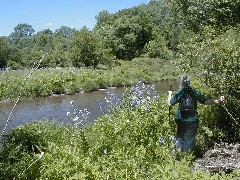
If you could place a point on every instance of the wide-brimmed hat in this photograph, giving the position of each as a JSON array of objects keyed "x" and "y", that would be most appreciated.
[{"x": 184, "y": 81}]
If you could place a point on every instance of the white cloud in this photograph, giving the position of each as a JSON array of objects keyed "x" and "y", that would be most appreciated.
[
  {"x": 48, "y": 24},
  {"x": 81, "y": 20}
]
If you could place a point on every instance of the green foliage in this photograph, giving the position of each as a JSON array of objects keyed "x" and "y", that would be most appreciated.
[
  {"x": 10, "y": 56},
  {"x": 22, "y": 30},
  {"x": 129, "y": 143},
  {"x": 102, "y": 18},
  {"x": 87, "y": 50},
  {"x": 217, "y": 14},
  {"x": 124, "y": 35},
  {"x": 14, "y": 158},
  {"x": 216, "y": 62},
  {"x": 127, "y": 31},
  {"x": 45, "y": 82},
  {"x": 223, "y": 76},
  {"x": 44, "y": 40},
  {"x": 3, "y": 53},
  {"x": 156, "y": 48},
  {"x": 64, "y": 31}
]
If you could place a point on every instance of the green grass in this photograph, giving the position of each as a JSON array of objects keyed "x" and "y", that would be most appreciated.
[
  {"x": 122, "y": 145},
  {"x": 43, "y": 83}
]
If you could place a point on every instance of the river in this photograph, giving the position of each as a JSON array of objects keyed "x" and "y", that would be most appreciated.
[{"x": 55, "y": 108}]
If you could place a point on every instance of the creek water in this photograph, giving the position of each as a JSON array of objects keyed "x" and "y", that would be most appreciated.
[{"x": 55, "y": 108}]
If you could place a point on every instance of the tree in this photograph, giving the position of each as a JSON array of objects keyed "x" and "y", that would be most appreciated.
[
  {"x": 10, "y": 56},
  {"x": 64, "y": 31},
  {"x": 22, "y": 30},
  {"x": 157, "y": 47},
  {"x": 59, "y": 53},
  {"x": 3, "y": 53},
  {"x": 127, "y": 31},
  {"x": 196, "y": 14},
  {"x": 44, "y": 39},
  {"x": 102, "y": 18},
  {"x": 87, "y": 49}
]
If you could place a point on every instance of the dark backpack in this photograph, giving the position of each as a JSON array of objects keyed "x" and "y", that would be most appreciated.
[{"x": 188, "y": 102}]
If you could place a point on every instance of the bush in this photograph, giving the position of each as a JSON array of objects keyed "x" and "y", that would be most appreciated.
[
  {"x": 134, "y": 141},
  {"x": 214, "y": 59},
  {"x": 44, "y": 82}
]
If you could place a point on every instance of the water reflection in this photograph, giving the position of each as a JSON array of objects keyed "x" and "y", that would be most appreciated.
[{"x": 55, "y": 108}]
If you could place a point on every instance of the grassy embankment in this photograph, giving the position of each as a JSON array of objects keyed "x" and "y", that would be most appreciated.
[
  {"x": 45, "y": 82},
  {"x": 133, "y": 142}
]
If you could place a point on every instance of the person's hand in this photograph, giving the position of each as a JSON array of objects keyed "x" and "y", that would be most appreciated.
[
  {"x": 169, "y": 97},
  {"x": 221, "y": 99}
]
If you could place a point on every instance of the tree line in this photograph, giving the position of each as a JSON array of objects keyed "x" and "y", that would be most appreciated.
[
  {"x": 152, "y": 30},
  {"x": 200, "y": 38},
  {"x": 127, "y": 34}
]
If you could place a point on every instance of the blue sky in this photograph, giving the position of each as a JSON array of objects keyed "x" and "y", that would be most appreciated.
[{"x": 52, "y": 14}]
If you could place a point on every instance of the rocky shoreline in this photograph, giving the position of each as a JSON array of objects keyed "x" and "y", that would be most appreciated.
[{"x": 223, "y": 158}]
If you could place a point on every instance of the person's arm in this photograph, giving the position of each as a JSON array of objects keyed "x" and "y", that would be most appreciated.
[
  {"x": 169, "y": 98},
  {"x": 215, "y": 101}
]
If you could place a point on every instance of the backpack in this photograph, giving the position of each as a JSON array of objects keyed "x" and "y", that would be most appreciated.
[{"x": 188, "y": 102}]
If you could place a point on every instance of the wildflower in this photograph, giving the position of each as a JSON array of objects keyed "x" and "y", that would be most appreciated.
[
  {"x": 162, "y": 140},
  {"x": 75, "y": 118},
  {"x": 105, "y": 151},
  {"x": 173, "y": 139},
  {"x": 79, "y": 115}
]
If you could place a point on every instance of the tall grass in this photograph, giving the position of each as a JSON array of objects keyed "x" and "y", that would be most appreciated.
[
  {"x": 45, "y": 82},
  {"x": 134, "y": 140}
]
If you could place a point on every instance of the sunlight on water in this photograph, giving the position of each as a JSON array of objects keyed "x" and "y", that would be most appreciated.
[{"x": 55, "y": 108}]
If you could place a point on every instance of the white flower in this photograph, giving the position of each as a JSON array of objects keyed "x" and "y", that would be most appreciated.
[
  {"x": 71, "y": 102},
  {"x": 162, "y": 140},
  {"x": 76, "y": 118},
  {"x": 105, "y": 151},
  {"x": 68, "y": 113}
]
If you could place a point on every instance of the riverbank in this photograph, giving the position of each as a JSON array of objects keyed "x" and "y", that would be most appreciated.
[
  {"x": 127, "y": 143},
  {"x": 48, "y": 82},
  {"x": 55, "y": 108},
  {"x": 224, "y": 158}
]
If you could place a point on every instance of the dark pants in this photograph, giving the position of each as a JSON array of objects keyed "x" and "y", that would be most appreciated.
[{"x": 186, "y": 134}]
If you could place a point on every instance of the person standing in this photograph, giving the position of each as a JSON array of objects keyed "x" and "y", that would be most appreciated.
[{"x": 186, "y": 115}]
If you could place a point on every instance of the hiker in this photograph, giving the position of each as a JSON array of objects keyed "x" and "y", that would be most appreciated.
[{"x": 186, "y": 116}]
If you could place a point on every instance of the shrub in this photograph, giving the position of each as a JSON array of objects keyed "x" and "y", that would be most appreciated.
[{"x": 134, "y": 141}]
